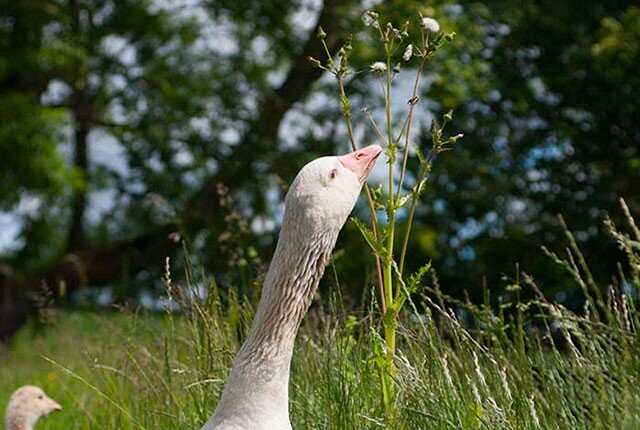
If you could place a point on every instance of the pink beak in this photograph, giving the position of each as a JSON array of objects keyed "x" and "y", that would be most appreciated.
[
  {"x": 55, "y": 406},
  {"x": 361, "y": 161}
]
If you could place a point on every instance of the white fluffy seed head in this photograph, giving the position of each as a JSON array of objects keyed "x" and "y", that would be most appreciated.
[
  {"x": 379, "y": 67},
  {"x": 430, "y": 24},
  {"x": 369, "y": 18}
]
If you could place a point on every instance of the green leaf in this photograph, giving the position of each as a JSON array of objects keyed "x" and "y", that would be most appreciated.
[
  {"x": 378, "y": 197},
  {"x": 403, "y": 200},
  {"x": 416, "y": 278},
  {"x": 375, "y": 244}
]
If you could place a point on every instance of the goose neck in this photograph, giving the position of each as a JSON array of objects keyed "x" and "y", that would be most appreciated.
[{"x": 292, "y": 280}]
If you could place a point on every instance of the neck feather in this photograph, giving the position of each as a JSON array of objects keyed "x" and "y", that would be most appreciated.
[
  {"x": 291, "y": 282},
  {"x": 257, "y": 391},
  {"x": 18, "y": 423}
]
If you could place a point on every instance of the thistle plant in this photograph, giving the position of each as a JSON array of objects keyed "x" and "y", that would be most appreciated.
[{"x": 394, "y": 284}]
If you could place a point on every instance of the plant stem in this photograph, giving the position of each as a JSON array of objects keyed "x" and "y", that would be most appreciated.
[
  {"x": 372, "y": 210},
  {"x": 391, "y": 196},
  {"x": 412, "y": 210},
  {"x": 405, "y": 155},
  {"x": 389, "y": 317}
]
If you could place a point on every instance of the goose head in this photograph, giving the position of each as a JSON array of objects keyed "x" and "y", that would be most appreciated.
[
  {"x": 326, "y": 189},
  {"x": 27, "y": 405}
]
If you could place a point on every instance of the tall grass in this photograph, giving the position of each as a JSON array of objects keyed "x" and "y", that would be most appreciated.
[{"x": 521, "y": 365}]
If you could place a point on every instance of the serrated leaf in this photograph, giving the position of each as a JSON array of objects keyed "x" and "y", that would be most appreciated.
[
  {"x": 375, "y": 244},
  {"x": 412, "y": 286},
  {"x": 416, "y": 278},
  {"x": 378, "y": 197}
]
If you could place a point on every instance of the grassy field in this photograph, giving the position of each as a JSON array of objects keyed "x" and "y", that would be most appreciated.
[
  {"x": 81, "y": 341},
  {"x": 127, "y": 371},
  {"x": 519, "y": 365}
]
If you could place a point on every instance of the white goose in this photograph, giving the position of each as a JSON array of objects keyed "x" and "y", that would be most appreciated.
[
  {"x": 26, "y": 406},
  {"x": 324, "y": 192}
]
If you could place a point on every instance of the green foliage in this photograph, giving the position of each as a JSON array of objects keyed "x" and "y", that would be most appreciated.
[
  {"x": 76, "y": 77},
  {"x": 186, "y": 98},
  {"x": 545, "y": 100},
  {"x": 28, "y": 139},
  {"x": 529, "y": 365}
]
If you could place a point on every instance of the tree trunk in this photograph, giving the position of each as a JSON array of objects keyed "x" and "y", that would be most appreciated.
[
  {"x": 97, "y": 266},
  {"x": 14, "y": 305},
  {"x": 76, "y": 237},
  {"x": 82, "y": 109}
]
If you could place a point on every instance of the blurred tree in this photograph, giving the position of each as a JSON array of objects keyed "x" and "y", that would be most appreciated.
[
  {"x": 73, "y": 72},
  {"x": 72, "y": 75},
  {"x": 192, "y": 96},
  {"x": 190, "y": 117},
  {"x": 546, "y": 93}
]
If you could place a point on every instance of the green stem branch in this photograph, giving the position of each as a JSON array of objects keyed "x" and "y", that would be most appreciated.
[{"x": 372, "y": 210}]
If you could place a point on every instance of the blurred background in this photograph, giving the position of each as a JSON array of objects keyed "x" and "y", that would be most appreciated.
[{"x": 132, "y": 131}]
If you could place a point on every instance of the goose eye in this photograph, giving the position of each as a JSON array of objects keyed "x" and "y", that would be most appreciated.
[
  {"x": 333, "y": 173},
  {"x": 40, "y": 397}
]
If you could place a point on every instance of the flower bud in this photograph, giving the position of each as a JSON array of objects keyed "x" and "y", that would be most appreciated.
[
  {"x": 408, "y": 52},
  {"x": 449, "y": 115},
  {"x": 315, "y": 62}
]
